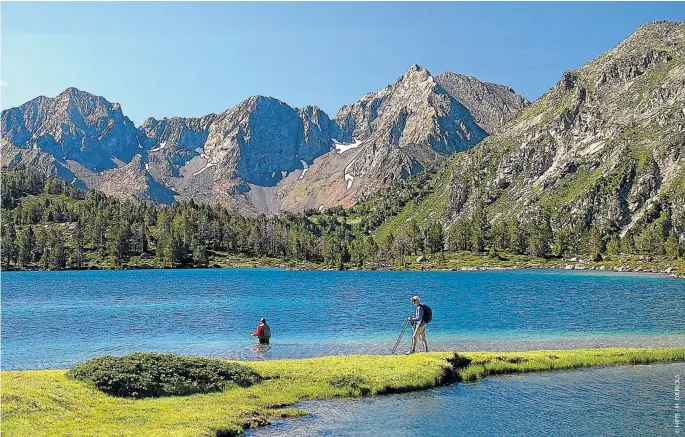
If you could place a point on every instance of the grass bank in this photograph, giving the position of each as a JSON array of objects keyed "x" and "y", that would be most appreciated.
[
  {"x": 463, "y": 260},
  {"x": 47, "y": 403}
]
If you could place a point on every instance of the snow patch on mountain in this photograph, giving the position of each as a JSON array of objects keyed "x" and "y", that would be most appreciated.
[
  {"x": 344, "y": 147},
  {"x": 209, "y": 165},
  {"x": 306, "y": 167},
  {"x": 161, "y": 146},
  {"x": 349, "y": 178}
]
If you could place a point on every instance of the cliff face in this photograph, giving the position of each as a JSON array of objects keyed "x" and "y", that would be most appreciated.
[
  {"x": 492, "y": 105},
  {"x": 262, "y": 137}
]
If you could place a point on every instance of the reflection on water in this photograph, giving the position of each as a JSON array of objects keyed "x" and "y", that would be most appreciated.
[
  {"x": 608, "y": 401},
  {"x": 260, "y": 351},
  {"x": 55, "y": 319}
]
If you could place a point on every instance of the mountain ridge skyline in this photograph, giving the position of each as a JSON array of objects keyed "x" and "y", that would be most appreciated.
[
  {"x": 169, "y": 117},
  {"x": 176, "y": 60}
]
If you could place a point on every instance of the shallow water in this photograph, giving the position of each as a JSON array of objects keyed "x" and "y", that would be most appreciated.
[
  {"x": 608, "y": 401},
  {"x": 55, "y": 319}
]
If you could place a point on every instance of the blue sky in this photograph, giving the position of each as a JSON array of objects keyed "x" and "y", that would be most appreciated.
[{"x": 189, "y": 59}]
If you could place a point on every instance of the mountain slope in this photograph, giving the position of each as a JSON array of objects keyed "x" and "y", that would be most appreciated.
[
  {"x": 491, "y": 104},
  {"x": 604, "y": 148}
]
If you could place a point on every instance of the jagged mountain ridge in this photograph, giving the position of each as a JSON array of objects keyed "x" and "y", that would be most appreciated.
[
  {"x": 604, "y": 147},
  {"x": 73, "y": 125},
  {"x": 491, "y": 104},
  {"x": 405, "y": 127},
  {"x": 261, "y": 155}
]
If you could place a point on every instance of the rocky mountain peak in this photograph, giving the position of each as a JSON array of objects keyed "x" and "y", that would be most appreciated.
[
  {"x": 262, "y": 137},
  {"x": 74, "y": 125},
  {"x": 416, "y": 73}
]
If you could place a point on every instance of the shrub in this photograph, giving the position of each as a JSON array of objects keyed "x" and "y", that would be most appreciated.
[{"x": 142, "y": 375}]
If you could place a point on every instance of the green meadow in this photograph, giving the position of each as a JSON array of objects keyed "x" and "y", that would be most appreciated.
[{"x": 50, "y": 403}]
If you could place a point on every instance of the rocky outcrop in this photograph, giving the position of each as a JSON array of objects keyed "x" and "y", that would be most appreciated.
[
  {"x": 133, "y": 182},
  {"x": 492, "y": 105},
  {"x": 13, "y": 156}
]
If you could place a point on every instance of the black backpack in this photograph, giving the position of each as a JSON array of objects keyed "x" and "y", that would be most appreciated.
[
  {"x": 266, "y": 331},
  {"x": 427, "y": 313}
]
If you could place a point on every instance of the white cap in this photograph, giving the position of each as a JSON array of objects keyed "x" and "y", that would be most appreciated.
[{"x": 416, "y": 298}]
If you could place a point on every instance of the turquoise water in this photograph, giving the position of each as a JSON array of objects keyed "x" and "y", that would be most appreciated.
[
  {"x": 608, "y": 401},
  {"x": 55, "y": 319}
]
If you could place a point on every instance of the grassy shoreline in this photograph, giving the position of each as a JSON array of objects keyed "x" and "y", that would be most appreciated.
[
  {"x": 47, "y": 403},
  {"x": 459, "y": 261}
]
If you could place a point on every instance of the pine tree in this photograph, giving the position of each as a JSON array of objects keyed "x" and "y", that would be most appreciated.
[
  {"x": 435, "y": 239},
  {"x": 459, "y": 235},
  {"x": 200, "y": 255},
  {"x": 9, "y": 244},
  {"x": 540, "y": 236},
  {"x": 517, "y": 238},
  {"x": 77, "y": 243},
  {"x": 672, "y": 246},
  {"x": 613, "y": 247},
  {"x": 628, "y": 243},
  {"x": 27, "y": 245},
  {"x": 372, "y": 249},
  {"x": 480, "y": 234},
  {"x": 595, "y": 244},
  {"x": 402, "y": 244},
  {"x": 500, "y": 240},
  {"x": 120, "y": 242},
  {"x": 415, "y": 237},
  {"x": 58, "y": 253},
  {"x": 561, "y": 244},
  {"x": 388, "y": 245}
]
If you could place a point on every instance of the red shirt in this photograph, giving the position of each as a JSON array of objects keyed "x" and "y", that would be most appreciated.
[{"x": 258, "y": 331}]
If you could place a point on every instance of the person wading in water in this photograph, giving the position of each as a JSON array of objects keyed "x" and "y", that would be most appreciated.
[
  {"x": 263, "y": 332},
  {"x": 419, "y": 322}
]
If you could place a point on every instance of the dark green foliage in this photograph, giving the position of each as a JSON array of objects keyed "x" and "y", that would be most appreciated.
[
  {"x": 480, "y": 229},
  {"x": 613, "y": 247},
  {"x": 142, "y": 375},
  {"x": 52, "y": 225},
  {"x": 435, "y": 238},
  {"x": 672, "y": 247},
  {"x": 540, "y": 236}
]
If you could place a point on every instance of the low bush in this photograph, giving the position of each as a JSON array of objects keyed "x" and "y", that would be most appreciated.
[{"x": 143, "y": 375}]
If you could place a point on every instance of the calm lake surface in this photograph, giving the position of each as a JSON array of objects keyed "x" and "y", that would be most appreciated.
[
  {"x": 608, "y": 401},
  {"x": 56, "y": 319}
]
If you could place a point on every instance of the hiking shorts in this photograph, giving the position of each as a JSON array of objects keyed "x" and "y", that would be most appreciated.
[{"x": 420, "y": 331}]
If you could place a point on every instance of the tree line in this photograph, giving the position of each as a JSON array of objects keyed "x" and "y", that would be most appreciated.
[{"x": 51, "y": 224}]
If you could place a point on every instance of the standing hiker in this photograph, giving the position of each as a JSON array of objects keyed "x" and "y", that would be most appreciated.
[
  {"x": 263, "y": 332},
  {"x": 422, "y": 315}
]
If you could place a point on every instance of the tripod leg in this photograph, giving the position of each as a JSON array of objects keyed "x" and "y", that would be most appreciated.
[{"x": 400, "y": 337}]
